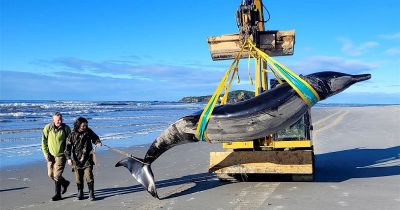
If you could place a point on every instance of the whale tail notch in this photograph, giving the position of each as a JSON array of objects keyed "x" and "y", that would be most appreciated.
[{"x": 142, "y": 172}]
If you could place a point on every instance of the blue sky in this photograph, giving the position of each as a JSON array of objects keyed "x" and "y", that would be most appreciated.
[{"x": 157, "y": 50}]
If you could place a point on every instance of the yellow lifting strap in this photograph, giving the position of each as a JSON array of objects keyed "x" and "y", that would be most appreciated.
[
  {"x": 248, "y": 69},
  {"x": 225, "y": 98},
  {"x": 208, "y": 109}
]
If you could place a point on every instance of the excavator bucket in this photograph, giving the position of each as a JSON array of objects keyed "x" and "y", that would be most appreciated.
[{"x": 274, "y": 43}]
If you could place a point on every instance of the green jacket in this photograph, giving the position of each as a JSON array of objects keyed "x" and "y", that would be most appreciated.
[{"x": 53, "y": 139}]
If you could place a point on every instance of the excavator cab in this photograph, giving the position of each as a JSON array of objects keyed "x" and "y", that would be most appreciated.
[{"x": 300, "y": 130}]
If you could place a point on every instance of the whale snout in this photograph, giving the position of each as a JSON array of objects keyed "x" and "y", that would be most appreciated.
[
  {"x": 361, "y": 77},
  {"x": 331, "y": 83}
]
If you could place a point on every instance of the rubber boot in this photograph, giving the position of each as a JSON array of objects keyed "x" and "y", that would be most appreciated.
[
  {"x": 57, "y": 196},
  {"x": 91, "y": 191},
  {"x": 79, "y": 195},
  {"x": 64, "y": 185}
]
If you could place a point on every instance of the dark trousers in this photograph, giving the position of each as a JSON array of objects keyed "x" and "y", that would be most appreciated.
[{"x": 84, "y": 172}]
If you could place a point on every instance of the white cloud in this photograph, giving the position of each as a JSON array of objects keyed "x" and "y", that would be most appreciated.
[
  {"x": 329, "y": 63},
  {"x": 192, "y": 74},
  {"x": 81, "y": 86},
  {"x": 393, "y": 51},
  {"x": 350, "y": 48},
  {"x": 395, "y": 36}
]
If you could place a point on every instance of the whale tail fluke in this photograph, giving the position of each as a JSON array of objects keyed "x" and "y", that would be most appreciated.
[{"x": 142, "y": 172}]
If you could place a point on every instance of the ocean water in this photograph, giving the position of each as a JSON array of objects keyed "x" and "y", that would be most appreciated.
[{"x": 119, "y": 124}]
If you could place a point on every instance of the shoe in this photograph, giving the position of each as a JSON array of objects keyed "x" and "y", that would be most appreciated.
[
  {"x": 57, "y": 196},
  {"x": 64, "y": 185},
  {"x": 91, "y": 191},
  {"x": 79, "y": 195}
]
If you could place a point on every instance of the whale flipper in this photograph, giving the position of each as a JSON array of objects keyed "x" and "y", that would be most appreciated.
[{"x": 141, "y": 172}]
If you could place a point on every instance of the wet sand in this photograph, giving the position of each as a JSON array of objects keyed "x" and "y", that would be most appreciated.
[{"x": 357, "y": 167}]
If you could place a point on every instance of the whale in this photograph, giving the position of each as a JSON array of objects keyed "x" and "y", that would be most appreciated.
[{"x": 255, "y": 118}]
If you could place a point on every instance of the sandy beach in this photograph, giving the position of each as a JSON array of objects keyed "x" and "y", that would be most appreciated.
[{"x": 357, "y": 167}]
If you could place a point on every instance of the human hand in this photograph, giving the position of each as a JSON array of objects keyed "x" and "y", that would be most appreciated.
[
  {"x": 99, "y": 144},
  {"x": 69, "y": 162}
]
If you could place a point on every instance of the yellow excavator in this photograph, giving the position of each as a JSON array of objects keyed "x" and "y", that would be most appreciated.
[{"x": 288, "y": 152}]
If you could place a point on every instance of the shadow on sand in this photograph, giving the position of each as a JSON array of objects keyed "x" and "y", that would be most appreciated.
[
  {"x": 330, "y": 167},
  {"x": 12, "y": 189},
  {"x": 357, "y": 163},
  {"x": 202, "y": 181}
]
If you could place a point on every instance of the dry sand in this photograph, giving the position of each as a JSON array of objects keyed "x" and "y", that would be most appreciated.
[{"x": 357, "y": 167}]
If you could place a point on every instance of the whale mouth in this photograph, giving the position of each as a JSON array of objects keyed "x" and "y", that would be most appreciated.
[{"x": 361, "y": 77}]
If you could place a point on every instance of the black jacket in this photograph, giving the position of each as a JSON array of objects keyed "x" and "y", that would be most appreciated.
[{"x": 79, "y": 147}]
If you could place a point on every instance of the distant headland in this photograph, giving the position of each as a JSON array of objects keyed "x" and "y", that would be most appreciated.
[{"x": 233, "y": 97}]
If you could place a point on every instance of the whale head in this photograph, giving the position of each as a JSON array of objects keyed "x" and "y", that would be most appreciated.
[{"x": 329, "y": 83}]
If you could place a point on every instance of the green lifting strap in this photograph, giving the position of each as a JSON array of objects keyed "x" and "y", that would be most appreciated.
[
  {"x": 204, "y": 121},
  {"x": 305, "y": 90}
]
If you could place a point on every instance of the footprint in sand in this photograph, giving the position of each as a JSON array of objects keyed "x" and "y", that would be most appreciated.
[
  {"x": 190, "y": 199},
  {"x": 278, "y": 196},
  {"x": 19, "y": 178},
  {"x": 343, "y": 203}
]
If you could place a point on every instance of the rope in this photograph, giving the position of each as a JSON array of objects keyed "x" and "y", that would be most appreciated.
[{"x": 124, "y": 153}]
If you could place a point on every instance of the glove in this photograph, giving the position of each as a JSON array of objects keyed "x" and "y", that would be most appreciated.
[{"x": 69, "y": 162}]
